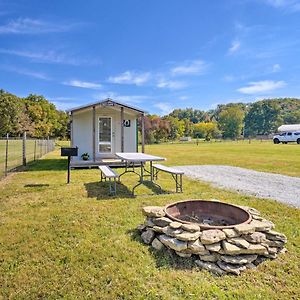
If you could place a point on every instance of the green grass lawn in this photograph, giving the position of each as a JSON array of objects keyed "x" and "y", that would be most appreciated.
[
  {"x": 260, "y": 156},
  {"x": 74, "y": 241}
]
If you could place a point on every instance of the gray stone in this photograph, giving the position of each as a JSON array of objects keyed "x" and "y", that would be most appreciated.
[
  {"x": 239, "y": 260},
  {"x": 162, "y": 222},
  {"x": 263, "y": 225},
  {"x": 277, "y": 244},
  {"x": 190, "y": 227},
  {"x": 209, "y": 257},
  {"x": 250, "y": 210},
  {"x": 157, "y": 244},
  {"x": 257, "y": 217},
  {"x": 250, "y": 266},
  {"x": 158, "y": 229},
  {"x": 188, "y": 236},
  {"x": 229, "y": 268},
  {"x": 214, "y": 247},
  {"x": 171, "y": 232},
  {"x": 175, "y": 225},
  {"x": 255, "y": 249},
  {"x": 230, "y": 233},
  {"x": 240, "y": 242},
  {"x": 259, "y": 260},
  {"x": 256, "y": 237},
  {"x": 173, "y": 243},
  {"x": 196, "y": 247},
  {"x": 276, "y": 236},
  {"x": 244, "y": 228},
  {"x": 148, "y": 236},
  {"x": 153, "y": 211},
  {"x": 183, "y": 254},
  {"x": 212, "y": 236},
  {"x": 209, "y": 266},
  {"x": 231, "y": 249},
  {"x": 141, "y": 227},
  {"x": 148, "y": 222}
]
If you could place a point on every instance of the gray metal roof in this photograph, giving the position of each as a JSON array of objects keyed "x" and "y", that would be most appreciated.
[{"x": 108, "y": 102}]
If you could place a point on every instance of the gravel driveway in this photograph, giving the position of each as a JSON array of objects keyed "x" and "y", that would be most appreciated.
[{"x": 282, "y": 188}]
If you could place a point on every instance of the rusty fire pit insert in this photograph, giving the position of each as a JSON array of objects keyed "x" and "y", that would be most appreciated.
[{"x": 208, "y": 214}]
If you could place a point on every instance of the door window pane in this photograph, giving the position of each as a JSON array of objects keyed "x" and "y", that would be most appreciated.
[
  {"x": 104, "y": 129},
  {"x": 104, "y": 148}
]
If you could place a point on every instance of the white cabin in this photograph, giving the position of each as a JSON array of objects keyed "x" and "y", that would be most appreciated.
[{"x": 101, "y": 129}]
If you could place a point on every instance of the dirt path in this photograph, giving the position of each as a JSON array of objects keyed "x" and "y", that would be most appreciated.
[{"x": 282, "y": 188}]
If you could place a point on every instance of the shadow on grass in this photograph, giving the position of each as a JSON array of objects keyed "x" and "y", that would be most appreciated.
[
  {"x": 100, "y": 190},
  {"x": 38, "y": 185},
  {"x": 47, "y": 165},
  {"x": 165, "y": 258},
  {"x": 155, "y": 188}
]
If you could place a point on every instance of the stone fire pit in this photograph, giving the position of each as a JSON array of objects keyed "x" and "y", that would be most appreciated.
[{"x": 223, "y": 238}]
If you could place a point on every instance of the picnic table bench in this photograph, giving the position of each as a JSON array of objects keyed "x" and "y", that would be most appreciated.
[
  {"x": 173, "y": 171},
  {"x": 107, "y": 172}
]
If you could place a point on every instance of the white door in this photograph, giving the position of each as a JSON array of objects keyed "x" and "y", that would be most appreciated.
[
  {"x": 105, "y": 135},
  {"x": 289, "y": 137}
]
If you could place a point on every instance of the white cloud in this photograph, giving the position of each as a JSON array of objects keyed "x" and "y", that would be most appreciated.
[
  {"x": 229, "y": 78},
  {"x": 235, "y": 46},
  {"x": 83, "y": 84},
  {"x": 183, "y": 97},
  {"x": 130, "y": 77},
  {"x": 49, "y": 57},
  {"x": 165, "y": 108},
  {"x": 170, "y": 84},
  {"x": 292, "y": 5},
  {"x": 129, "y": 99},
  {"x": 276, "y": 68},
  {"x": 261, "y": 87},
  {"x": 193, "y": 67},
  {"x": 26, "y": 72},
  {"x": 33, "y": 26}
]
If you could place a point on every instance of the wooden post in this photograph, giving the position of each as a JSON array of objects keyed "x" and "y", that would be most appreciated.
[
  {"x": 137, "y": 134},
  {"x": 34, "y": 153},
  {"x": 122, "y": 129},
  {"x": 24, "y": 148},
  {"x": 143, "y": 133},
  {"x": 71, "y": 128},
  {"x": 6, "y": 154},
  {"x": 94, "y": 133}
]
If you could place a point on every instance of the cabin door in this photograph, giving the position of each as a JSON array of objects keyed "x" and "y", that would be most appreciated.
[{"x": 105, "y": 135}]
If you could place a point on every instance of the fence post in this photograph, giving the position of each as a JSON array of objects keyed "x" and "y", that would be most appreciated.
[
  {"x": 34, "y": 153},
  {"x": 6, "y": 155},
  {"x": 24, "y": 148}
]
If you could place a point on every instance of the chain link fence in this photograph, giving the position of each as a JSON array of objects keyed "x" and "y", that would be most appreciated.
[{"x": 16, "y": 152}]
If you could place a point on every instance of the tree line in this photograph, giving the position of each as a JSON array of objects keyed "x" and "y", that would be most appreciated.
[
  {"x": 33, "y": 114},
  {"x": 232, "y": 121},
  {"x": 40, "y": 118}
]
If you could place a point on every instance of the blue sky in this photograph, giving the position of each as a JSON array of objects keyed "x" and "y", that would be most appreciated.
[{"x": 157, "y": 55}]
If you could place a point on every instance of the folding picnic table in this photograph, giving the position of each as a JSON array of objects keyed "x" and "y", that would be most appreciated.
[{"x": 132, "y": 159}]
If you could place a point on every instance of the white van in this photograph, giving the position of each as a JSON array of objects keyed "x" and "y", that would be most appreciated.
[{"x": 287, "y": 137}]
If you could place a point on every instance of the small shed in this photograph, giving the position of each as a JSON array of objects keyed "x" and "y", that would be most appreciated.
[{"x": 103, "y": 128}]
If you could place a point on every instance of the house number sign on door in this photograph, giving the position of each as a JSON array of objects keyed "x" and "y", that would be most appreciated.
[{"x": 126, "y": 123}]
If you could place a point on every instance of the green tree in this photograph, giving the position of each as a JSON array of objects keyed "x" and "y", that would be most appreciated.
[
  {"x": 207, "y": 130},
  {"x": 9, "y": 113},
  {"x": 231, "y": 121},
  {"x": 263, "y": 118}
]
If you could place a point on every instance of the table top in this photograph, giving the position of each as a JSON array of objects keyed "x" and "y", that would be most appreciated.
[{"x": 138, "y": 157}]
